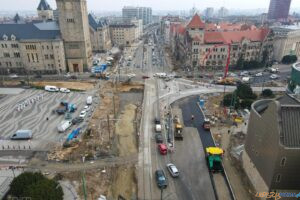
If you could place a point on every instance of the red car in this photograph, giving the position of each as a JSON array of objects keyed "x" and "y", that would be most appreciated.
[
  {"x": 145, "y": 77},
  {"x": 162, "y": 149}
]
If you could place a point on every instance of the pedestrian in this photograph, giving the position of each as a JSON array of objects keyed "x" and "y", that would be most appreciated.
[
  {"x": 192, "y": 117},
  {"x": 47, "y": 118}
]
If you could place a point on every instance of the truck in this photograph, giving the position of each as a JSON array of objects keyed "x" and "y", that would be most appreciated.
[
  {"x": 89, "y": 100},
  {"x": 178, "y": 132},
  {"x": 226, "y": 81},
  {"x": 64, "y": 107},
  {"x": 206, "y": 124},
  {"x": 63, "y": 126},
  {"x": 214, "y": 157},
  {"x": 22, "y": 135}
]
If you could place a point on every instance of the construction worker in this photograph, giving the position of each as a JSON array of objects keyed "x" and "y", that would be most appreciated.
[{"x": 192, "y": 117}]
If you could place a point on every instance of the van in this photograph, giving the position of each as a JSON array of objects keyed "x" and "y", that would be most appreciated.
[
  {"x": 22, "y": 135},
  {"x": 89, "y": 100},
  {"x": 63, "y": 126},
  {"x": 50, "y": 88}
]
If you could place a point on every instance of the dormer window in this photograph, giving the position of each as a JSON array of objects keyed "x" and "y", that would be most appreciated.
[
  {"x": 13, "y": 38},
  {"x": 5, "y": 37}
]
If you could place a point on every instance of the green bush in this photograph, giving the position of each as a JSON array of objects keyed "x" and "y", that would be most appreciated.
[
  {"x": 36, "y": 186},
  {"x": 267, "y": 93},
  {"x": 231, "y": 100},
  {"x": 246, "y": 103},
  {"x": 244, "y": 91},
  {"x": 288, "y": 59}
]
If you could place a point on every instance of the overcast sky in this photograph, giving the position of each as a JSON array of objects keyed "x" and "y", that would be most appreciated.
[{"x": 116, "y": 5}]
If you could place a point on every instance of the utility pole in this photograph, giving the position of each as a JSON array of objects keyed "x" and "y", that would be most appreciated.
[{"x": 108, "y": 126}]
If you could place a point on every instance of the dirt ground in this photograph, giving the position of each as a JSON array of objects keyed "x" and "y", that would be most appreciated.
[
  {"x": 124, "y": 182},
  {"x": 105, "y": 139},
  {"x": 71, "y": 85}
]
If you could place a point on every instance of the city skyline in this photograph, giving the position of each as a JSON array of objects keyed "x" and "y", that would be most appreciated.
[{"x": 117, "y": 5}]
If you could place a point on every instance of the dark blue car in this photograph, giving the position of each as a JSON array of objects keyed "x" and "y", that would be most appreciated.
[{"x": 161, "y": 179}]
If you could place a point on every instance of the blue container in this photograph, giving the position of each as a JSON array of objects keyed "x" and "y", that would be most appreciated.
[{"x": 201, "y": 102}]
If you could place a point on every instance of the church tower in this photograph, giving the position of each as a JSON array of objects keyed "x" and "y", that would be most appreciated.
[
  {"x": 44, "y": 11},
  {"x": 74, "y": 28}
]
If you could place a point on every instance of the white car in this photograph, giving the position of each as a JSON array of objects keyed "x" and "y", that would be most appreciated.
[
  {"x": 244, "y": 73},
  {"x": 259, "y": 74},
  {"x": 274, "y": 76},
  {"x": 67, "y": 75},
  {"x": 173, "y": 170},
  {"x": 82, "y": 114},
  {"x": 86, "y": 108},
  {"x": 64, "y": 90},
  {"x": 13, "y": 76}
]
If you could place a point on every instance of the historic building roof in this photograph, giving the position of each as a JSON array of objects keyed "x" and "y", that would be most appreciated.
[
  {"x": 43, "y": 5},
  {"x": 46, "y": 30},
  {"x": 196, "y": 22}
]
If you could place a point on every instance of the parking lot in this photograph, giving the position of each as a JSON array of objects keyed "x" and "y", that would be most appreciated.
[{"x": 30, "y": 110}]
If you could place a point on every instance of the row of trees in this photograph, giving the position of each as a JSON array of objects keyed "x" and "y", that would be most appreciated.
[
  {"x": 243, "y": 97},
  {"x": 36, "y": 186}
]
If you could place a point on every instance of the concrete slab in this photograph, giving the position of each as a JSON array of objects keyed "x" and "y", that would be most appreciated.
[{"x": 11, "y": 90}]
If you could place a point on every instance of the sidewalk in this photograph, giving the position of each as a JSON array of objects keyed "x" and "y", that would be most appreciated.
[{"x": 234, "y": 176}]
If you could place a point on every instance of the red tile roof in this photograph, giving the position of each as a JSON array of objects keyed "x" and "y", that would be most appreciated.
[
  {"x": 235, "y": 36},
  {"x": 196, "y": 22},
  {"x": 196, "y": 38}
]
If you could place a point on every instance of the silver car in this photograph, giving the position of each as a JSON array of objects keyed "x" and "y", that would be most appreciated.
[{"x": 173, "y": 170}]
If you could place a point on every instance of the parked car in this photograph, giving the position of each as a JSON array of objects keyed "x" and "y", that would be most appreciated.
[
  {"x": 67, "y": 75},
  {"x": 259, "y": 74},
  {"x": 13, "y": 76},
  {"x": 159, "y": 138},
  {"x": 51, "y": 88},
  {"x": 38, "y": 76},
  {"x": 86, "y": 108},
  {"x": 73, "y": 77},
  {"x": 163, "y": 149},
  {"x": 244, "y": 73},
  {"x": 22, "y": 135},
  {"x": 63, "y": 126},
  {"x": 77, "y": 120},
  {"x": 274, "y": 76},
  {"x": 82, "y": 114},
  {"x": 173, "y": 170},
  {"x": 64, "y": 90},
  {"x": 161, "y": 179}
]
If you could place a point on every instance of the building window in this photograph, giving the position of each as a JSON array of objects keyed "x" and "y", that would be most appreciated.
[
  {"x": 47, "y": 47},
  {"x": 14, "y": 46},
  {"x": 37, "y": 57},
  {"x": 51, "y": 56},
  {"x": 283, "y": 161},
  {"x": 32, "y": 57},
  {"x": 278, "y": 178},
  {"x": 70, "y": 20},
  {"x": 42, "y": 47},
  {"x": 5, "y": 45},
  {"x": 2, "y": 45},
  {"x": 28, "y": 57},
  {"x": 17, "y": 55},
  {"x": 10, "y": 64},
  {"x": 6, "y": 55},
  {"x": 0, "y": 64},
  {"x": 46, "y": 57}
]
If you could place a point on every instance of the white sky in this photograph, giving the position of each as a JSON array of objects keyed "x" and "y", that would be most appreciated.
[{"x": 116, "y": 5}]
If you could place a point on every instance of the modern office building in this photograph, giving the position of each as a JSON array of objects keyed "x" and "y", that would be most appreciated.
[
  {"x": 279, "y": 9},
  {"x": 144, "y": 13},
  {"x": 272, "y": 147},
  {"x": 208, "y": 13},
  {"x": 286, "y": 41}
]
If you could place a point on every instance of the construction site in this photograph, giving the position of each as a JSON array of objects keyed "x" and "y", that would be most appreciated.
[{"x": 102, "y": 160}]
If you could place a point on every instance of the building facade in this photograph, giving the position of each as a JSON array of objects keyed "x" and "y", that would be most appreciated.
[
  {"x": 99, "y": 34},
  {"x": 272, "y": 145},
  {"x": 279, "y": 9},
  {"x": 25, "y": 48},
  {"x": 144, "y": 13},
  {"x": 122, "y": 34},
  {"x": 74, "y": 27},
  {"x": 45, "y": 12},
  {"x": 286, "y": 41},
  {"x": 202, "y": 47}
]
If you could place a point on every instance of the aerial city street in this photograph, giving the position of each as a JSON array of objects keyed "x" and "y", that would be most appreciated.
[{"x": 161, "y": 101}]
